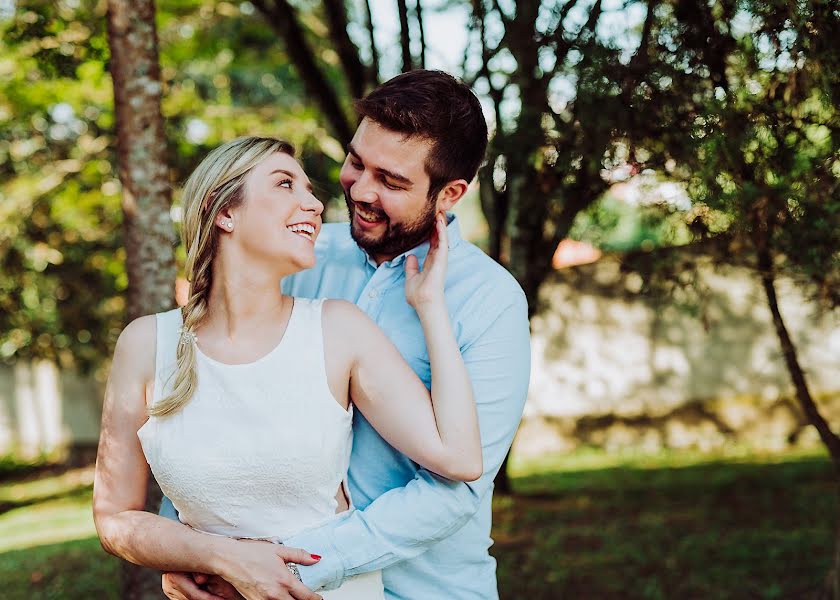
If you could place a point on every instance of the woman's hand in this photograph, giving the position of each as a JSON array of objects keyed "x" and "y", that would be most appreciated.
[
  {"x": 258, "y": 571},
  {"x": 425, "y": 288}
]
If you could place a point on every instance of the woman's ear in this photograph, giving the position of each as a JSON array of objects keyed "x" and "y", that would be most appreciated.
[{"x": 224, "y": 220}]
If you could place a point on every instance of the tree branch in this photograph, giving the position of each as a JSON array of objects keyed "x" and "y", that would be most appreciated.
[
  {"x": 405, "y": 39},
  {"x": 418, "y": 13},
  {"x": 347, "y": 51},
  {"x": 564, "y": 46},
  {"x": 556, "y": 32},
  {"x": 282, "y": 17},
  {"x": 374, "y": 53}
]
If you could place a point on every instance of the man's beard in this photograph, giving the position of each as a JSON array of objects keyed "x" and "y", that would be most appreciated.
[{"x": 398, "y": 237}]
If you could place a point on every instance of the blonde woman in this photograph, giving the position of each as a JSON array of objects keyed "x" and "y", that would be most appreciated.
[{"x": 242, "y": 402}]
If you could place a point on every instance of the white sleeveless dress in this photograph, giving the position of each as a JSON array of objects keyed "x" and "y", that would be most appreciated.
[{"x": 262, "y": 448}]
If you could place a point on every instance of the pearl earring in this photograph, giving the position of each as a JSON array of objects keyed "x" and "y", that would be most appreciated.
[{"x": 230, "y": 224}]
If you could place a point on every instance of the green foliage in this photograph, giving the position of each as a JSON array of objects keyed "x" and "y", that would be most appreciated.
[
  {"x": 61, "y": 258},
  {"x": 762, "y": 144}
]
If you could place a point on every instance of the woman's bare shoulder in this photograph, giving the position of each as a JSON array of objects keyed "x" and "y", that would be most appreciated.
[{"x": 135, "y": 348}]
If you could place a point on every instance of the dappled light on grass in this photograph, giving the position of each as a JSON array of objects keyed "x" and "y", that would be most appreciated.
[
  {"x": 589, "y": 524},
  {"x": 48, "y": 544},
  {"x": 669, "y": 525},
  {"x": 57, "y": 520}
]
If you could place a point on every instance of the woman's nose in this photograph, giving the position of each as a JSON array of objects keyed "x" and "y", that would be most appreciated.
[{"x": 312, "y": 203}]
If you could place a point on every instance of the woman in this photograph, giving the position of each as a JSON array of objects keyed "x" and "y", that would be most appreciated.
[{"x": 243, "y": 401}]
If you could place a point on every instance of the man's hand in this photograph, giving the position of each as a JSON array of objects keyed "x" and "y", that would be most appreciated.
[
  {"x": 183, "y": 586},
  {"x": 256, "y": 571}
]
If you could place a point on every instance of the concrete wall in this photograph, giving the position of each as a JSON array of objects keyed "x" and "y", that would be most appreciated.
[
  {"x": 617, "y": 368},
  {"x": 43, "y": 409}
]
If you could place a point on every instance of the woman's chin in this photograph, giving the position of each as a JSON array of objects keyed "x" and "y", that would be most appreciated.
[{"x": 306, "y": 262}]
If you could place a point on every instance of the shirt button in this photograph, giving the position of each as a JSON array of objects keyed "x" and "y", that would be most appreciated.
[{"x": 373, "y": 294}]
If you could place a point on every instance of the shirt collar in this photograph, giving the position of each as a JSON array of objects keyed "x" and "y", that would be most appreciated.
[{"x": 453, "y": 232}]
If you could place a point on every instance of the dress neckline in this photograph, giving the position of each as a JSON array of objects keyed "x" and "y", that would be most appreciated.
[{"x": 264, "y": 357}]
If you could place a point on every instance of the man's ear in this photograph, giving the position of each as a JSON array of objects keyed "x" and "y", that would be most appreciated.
[{"x": 451, "y": 193}]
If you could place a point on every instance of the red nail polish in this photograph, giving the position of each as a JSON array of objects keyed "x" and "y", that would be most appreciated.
[{"x": 315, "y": 556}]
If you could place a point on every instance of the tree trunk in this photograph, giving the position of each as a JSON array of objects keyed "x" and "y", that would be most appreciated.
[
  {"x": 762, "y": 236},
  {"x": 405, "y": 37},
  {"x": 418, "y": 13},
  {"x": 149, "y": 236},
  {"x": 831, "y": 588},
  {"x": 374, "y": 53},
  {"x": 502, "y": 481}
]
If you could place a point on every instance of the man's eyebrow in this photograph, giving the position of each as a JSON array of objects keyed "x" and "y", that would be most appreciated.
[
  {"x": 292, "y": 175},
  {"x": 395, "y": 176}
]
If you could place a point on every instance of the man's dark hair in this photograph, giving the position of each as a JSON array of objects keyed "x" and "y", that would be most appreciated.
[{"x": 435, "y": 106}]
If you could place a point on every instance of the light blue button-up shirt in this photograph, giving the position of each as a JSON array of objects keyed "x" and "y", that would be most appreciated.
[{"x": 430, "y": 536}]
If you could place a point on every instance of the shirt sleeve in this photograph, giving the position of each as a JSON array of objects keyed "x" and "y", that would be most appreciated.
[{"x": 498, "y": 361}]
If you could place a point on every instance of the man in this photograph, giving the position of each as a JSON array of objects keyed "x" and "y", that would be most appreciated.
[{"x": 420, "y": 142}]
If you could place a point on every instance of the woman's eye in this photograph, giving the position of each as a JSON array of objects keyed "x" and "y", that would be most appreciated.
[
  {"x": 286, "y": 183},
  {"x": 356, "y": 165}
]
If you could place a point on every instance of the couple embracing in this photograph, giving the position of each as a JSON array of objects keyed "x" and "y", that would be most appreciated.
[{"x": 335, "y": 435}]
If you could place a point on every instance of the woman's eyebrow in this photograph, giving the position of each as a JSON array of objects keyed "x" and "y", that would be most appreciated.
[{"x": 292, "y": 175}]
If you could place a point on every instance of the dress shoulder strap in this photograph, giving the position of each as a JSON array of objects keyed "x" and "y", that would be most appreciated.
[
  {"x": 307, "y": 333},
  {"x": 168, "y": 336}
]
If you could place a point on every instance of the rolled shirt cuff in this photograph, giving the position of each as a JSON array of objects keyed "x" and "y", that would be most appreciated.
[{"x": 327, "y": 573}]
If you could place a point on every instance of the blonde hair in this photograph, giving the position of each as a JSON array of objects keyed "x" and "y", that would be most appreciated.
[{"x": 217, "y": 183}]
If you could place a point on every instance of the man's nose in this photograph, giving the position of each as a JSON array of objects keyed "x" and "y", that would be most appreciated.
[{"x": 363, "y": 189}]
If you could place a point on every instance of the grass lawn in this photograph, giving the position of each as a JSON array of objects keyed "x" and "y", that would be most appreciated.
[{"x": 587, "y": 525}]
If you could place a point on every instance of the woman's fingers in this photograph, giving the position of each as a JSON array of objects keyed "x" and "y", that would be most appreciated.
[{"x": 296, "y": 555}]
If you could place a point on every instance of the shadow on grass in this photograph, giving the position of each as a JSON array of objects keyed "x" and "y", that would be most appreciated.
[
  {"x": 708, "y": 531},
  {"x": 70, "y": 570},
  {"x": 77, "y": 491}
]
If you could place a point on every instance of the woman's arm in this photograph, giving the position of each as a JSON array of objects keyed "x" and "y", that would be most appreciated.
[
  {"x": 119, "y": 492},
  {"x": 439, "y": 432}
]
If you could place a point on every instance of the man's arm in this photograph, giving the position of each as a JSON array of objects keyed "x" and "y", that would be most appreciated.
[{"x": 498, "y": 362}]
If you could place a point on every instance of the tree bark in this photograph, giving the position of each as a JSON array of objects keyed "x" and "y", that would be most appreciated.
[
  {"x": 405, "y": 37},
  {"x": 149, "y": 235},
  {"x": 282, "y": 17}
]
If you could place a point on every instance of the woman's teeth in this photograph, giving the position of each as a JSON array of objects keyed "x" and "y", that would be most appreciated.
[{"x": 303, "y": 229}]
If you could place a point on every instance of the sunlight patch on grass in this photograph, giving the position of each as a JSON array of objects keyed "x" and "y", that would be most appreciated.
[
  {"x": 592, "y": 459},
  {"x": 47, "y": 487},
  {"x": 67, "y": 518}
]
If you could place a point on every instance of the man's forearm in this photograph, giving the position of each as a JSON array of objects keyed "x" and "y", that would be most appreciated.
[{"x": 158, "y": 543}]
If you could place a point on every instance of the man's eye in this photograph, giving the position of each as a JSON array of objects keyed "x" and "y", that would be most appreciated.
[
  {"x": 356, "y": 165},
  {"x": 391, "y": 186},
  {"x": 287, "y": 183}
]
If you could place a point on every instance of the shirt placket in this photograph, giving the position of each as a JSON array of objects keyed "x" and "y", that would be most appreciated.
[{"x": 372, "y": 297}]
